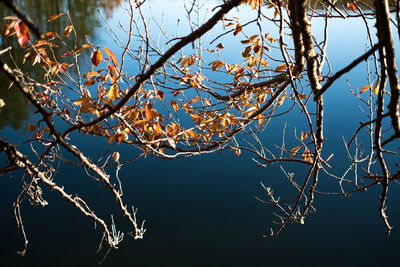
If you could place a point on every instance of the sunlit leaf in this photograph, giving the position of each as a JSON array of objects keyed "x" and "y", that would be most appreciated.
[
  {"x": 96, "y": 57},
  {"x": 281, "y": 99},
  {"x": 90, "y": 74},
  {"x": 303, "y": 135},
  {"x": 351, "y": 6},
  {"x": 113, "y": 92},
  {"x": 68, "y": 30},
  {"x": 115, "y": 156},
  {"x": 23, "y": 32},
  {"x": 365, "y": 88},
  {"x": 83, "y": 47},
  {"x": 174, "y": 105},
  {"x": 294, "y": 150},
  {"x": 281, "y": 67},
  {"x": 8, "y": 28},
  {"x": 55, "y": 17},
  {"x": 237, "y": 152},
  {"x": 112, "y": 56},
  {"x": 376, "y": 89},
  {"x": 82, "y": 100}
]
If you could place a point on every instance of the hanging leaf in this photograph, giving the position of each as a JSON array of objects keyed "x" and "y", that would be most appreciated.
[
  {"x": 68, "y": 30},
  {"x": 174, "y": 105},
  {"x": 96, "y": 57},
  {"x": 82, "y": 100},
  {"x": 55, "y": 17},
  {"x": 281, "y": 99},
  {"x": 83, "y": 47},
  {"x": 220, "y": 46},
  {"x": 303, "y": 136},
  {"x": 365, "y": 88},
  {"x": 23, "y": 33},
  {"x": 281, "y": 67},
  {"x": 31, "y": 127},
  {"x": 237, "y": 29},
  {"x": 351, "y": 6},
  {"x": 112, "y": 56},
  {"x": 115, "y": 156},
  {"x": 113, "y": 92},
  {"x": 294, "y": 150},
  {"x": 376, "y": 89}
]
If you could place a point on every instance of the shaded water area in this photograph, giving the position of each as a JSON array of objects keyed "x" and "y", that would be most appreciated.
[{"x": 199, "y": 211}]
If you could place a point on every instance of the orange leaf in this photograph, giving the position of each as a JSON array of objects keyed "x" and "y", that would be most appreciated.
[
  {"x": 365, "y": 88},
  {"x": 83, "y": 47},
  {"x": 96, "y": 57},
  {"x": 220, "y": 46},
  {"x": 237, "y": 29},
  {"x": 23, "y": 33},
  {"x": 112, "y": 56},
  {"x": 174, "y": 105},
  {"x": 281, "y": 67},
  {"x": 32, "y": 127},
  {"x": 294, "y": 150},
  {"x": 55, "y": 17},
  {"x": 113, "y": 92},
  {"x": 351, "y": 6}
]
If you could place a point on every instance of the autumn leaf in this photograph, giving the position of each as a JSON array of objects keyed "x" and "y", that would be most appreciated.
[
  {"x": 281, "y": 99},
  {"x": 174, "y": 105},
  {"x": 96, "y": 57},
  {"x": 351, "y": 6},
  {"x": 23, "y": 32},
  {"x": 294, "y": 150},
  {"x": 303, "y": 136},
  {"x": 237, "y": 29},
  {"x": 83, "y": 47},
  {"x": 220, "y": 46},
  {"x": 31, "y": 127},
  {"x": 365, "y": 88},
  {"x": 8, "y": 28},
  {"x": 113, "y": 92},
  {"x": 376, "y": 88},
  {"x": 112, "y": 56},
  {"x": 55, "y": 17},
  {"x": 115, "y": 156},
  {"x": 68, "y": 30},
  {"x": 82, "y": 100},
  {"x": 281, "y": 67}
]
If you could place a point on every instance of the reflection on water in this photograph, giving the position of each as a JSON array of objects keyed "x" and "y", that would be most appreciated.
[{"x": 86, "y": 20}]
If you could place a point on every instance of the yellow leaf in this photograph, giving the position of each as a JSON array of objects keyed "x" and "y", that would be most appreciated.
[
  {"x": 365, "y": 88},
  {"x": 281, "y": 67},
  {"x": 303, "y": 135},
  {"x": 294, "y": 150},
  {"x": 68, "y": 30},
  {"x": 376, "y": 88},
  {"x": 82, "y": 100},
  {"x": 90, "y": 74},
  {"x": 281, "y": 99},
  {"x": 115, "y": 156},
  {"x": 113, "y": 92}
]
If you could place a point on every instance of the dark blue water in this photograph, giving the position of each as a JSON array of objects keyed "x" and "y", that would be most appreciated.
[{"x": 202, "y": 211}]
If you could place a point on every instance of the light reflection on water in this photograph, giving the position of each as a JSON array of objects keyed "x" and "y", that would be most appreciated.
[{"x": 201, "y": 211}]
